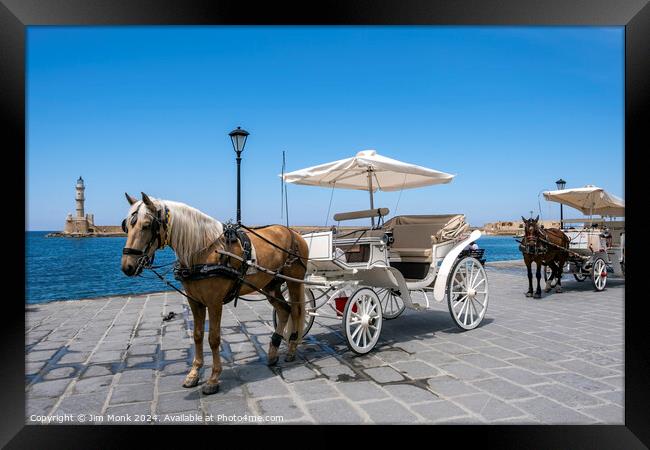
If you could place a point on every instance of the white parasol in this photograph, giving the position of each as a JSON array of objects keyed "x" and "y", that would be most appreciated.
[
  {"x": 589, "y": 200},
  {"x": 368, "y": 171}
]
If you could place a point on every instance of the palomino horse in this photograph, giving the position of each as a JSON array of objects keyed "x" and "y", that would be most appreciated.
[
  {"x": 195, "y": 238},
  {"x": 535, "y": 247}
]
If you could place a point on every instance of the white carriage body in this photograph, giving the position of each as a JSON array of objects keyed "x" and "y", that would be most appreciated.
[
  {"x": 587, "y": 239},
  {"x": 329, "y": 262}
]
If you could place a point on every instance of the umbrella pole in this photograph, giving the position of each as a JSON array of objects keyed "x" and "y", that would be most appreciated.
[{"x": 372, "y": 202}]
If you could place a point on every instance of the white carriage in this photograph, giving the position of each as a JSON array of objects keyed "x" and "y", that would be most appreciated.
[
  {"x": 367, "y": 275},
  {"x": 597, "y": 246}
]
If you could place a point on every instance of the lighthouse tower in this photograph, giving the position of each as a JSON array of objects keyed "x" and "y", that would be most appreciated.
[{"x": 79, "y": 198}]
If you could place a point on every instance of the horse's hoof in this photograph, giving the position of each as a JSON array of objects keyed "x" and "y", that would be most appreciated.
[
  {"x": 547, "y": 290},
  {"x": 529, "y": 294},
  {"x": 209, "y": 389},
  {"x": 273, "y": 361},
  {"x": 191, "y": 382},
  {"x": 559, "y": 290},
  {"x": 289, "y": 358},
  {"x": 537, "y": 295}
]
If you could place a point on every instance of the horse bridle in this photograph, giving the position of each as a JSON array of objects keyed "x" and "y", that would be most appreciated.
[
  {"x": 530, "y": 242},
  {"x": 158, "y": 222}
]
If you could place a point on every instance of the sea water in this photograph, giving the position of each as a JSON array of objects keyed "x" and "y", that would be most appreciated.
[{"x": 76, "y": 268}]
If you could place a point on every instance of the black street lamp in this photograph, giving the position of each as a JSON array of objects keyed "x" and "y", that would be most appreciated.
[
  {"x": 560, "y": 185},
  {"x": 238, "y": 138}
]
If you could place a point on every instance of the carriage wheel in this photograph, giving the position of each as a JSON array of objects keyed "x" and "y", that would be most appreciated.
[
  {"x": 362, "y": 320},
  {"x": 579, "y": 276},
  {"x": 392, "y": 306},
  {"x": 310, "y": 303},
  {"x": 467, "y": 293},
  {"x": 599, "y": 273}
]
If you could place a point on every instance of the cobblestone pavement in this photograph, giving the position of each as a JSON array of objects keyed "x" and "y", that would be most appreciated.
[{"x": 558, "y": 360}]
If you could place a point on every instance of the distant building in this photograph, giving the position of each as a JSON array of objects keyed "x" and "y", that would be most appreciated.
[
  {"x": 83, "y": 224},
  {"x": 513, "y": 227}
]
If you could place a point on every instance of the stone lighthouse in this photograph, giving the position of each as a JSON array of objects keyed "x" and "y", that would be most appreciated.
[
  {"x": 80, "y": 197},
  {"x": 80, "y": 223}
]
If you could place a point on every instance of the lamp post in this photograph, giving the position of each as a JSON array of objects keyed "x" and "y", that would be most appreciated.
[
  {"x": 560, "y": 185},
  {"x": 238, "y": 138}
]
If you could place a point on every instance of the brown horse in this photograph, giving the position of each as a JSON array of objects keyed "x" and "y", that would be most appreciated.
[
  {"x": 195, "y": 238},
  {"x": 536, "y": 248}
]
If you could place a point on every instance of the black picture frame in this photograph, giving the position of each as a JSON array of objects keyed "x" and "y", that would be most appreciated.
[{"x": 16, "y": 15}]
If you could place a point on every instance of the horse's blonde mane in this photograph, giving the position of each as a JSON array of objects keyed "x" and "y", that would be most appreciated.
[{"x": 190, "y": 230}]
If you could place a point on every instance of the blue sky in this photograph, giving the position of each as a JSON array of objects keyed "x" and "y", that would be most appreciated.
[{"x": 507, "y": 109}]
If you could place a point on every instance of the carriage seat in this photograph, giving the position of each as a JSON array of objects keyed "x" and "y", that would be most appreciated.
[{"x": 414, "y": 236}]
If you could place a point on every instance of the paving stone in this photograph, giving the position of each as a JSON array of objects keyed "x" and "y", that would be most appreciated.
[
  {"x": 535, "y": 365},
  {"x": 520, "y": 376},
  {"x": 106, "y": 356},
  {"x": 488, "y": 407},
  {"x": 53, "y": 388},
  {"x": 181, "y": 401},
  {"x": 269, "y": 387},
  {"x": 175, "y": 354},
  {"x": 335, "y": 411},
  {"x": 74, "y": 357},
  {"x": 298, "y": 373},
  {"x": 96, "y": 371},
  {"x": 143, "y": 350},
  {"x": 416, "y": 369},
  {"x": 483, "y": 361},
  {"x": 228, "y": 410},
  {"x": 464, "y": 371},
  {"x": 453, "y": 348},
  {"x": 314, "y": 390},
  {"x": 607, "y": 414},
  {"x": 501, "y": 353},
  {"x": 253, "y": 372},
  {"x": 438, "y": 410},
  {"x": 44, "y": 355},
  {"x": 617, "y": 397},
  {"x": 358, "y": 391},
  {"x": 281, "y": 406},
  {"x": 586, "y": 369},
  {"x": 447, "y": 386},
  {"x": 566, "y": 395},
  {"x": 384, "y": 374},
  {"x": 82, "y": 404},
  {"x": 338, "y": 373},
  {"x": 94, "y": 384},
  {"x": 129, "y": 414},
  {"x": 393, "y": 355},
  {"x": 134, "y": 376},
  {"x": 60, "y": 372},
  {"x": 503, "y": 388},
  {"x": 550, "y": 412},
  {"x": 38, "y": 407},
  {"x": 130, "y": 393},
  {"x": 388, "y": 411},
  {"x": 410, "y": 394},
  {"x": 580, "y": 382},
  {"x": 363, "y": 361}
]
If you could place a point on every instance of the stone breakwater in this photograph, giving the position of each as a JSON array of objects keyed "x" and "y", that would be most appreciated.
[{"x": 558, "y": 360}]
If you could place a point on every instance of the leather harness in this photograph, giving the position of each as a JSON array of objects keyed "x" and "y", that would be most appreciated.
[{"x": 231, "y": 233}]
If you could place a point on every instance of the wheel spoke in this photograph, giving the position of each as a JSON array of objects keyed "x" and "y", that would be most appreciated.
[
  {"x": 459, "y": 301},
  {"x": 355, "y": 332}
]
